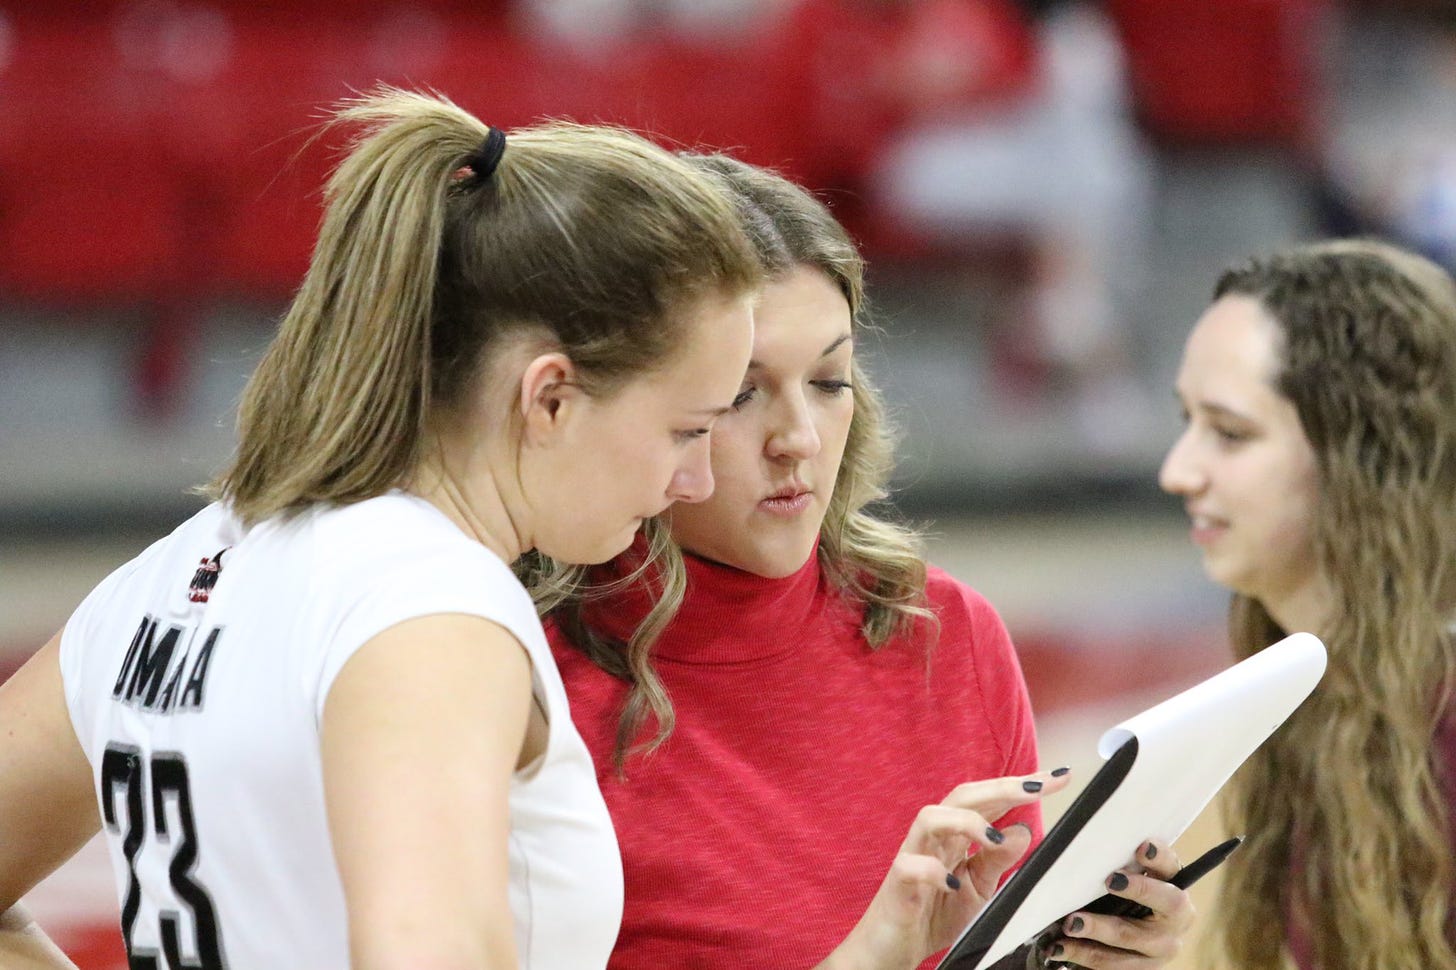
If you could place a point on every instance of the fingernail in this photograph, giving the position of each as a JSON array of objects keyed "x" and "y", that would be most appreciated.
[
  {"x": 1076, "y": 925},
  {"x": 1059, "y": 772},
  {"x": 952, "y": 881},
  {"x": 1031, "y": 786},
  {"x": 1117, "y": 883},
  {"x": 1057, "y": 950},
  {"x": 994, "y": 834},
  {"x": 1152, "y": 852}
]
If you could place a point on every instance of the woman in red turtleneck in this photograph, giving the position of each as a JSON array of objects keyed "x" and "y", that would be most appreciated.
[{"x": 776, "y": 696}]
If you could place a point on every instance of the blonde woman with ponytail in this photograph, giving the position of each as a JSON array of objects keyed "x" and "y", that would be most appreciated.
[
  {"x": 795, "y": 719},
  {"x": 319, "y": 723},
  {"x": 1318, "y": 467}
]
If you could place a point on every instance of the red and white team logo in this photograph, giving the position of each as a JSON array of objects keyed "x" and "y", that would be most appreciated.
[{"x": 205, "y": 578}]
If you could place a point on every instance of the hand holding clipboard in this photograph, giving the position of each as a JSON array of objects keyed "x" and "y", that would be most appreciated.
[
  {"x": 1163, "y": 766},
  {"x": 1111, "y": 905}
]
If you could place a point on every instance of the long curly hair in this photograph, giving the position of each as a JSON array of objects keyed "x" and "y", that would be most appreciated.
[
  {"x": 1347, "y": 828},
  {"x": 868, "y": 558}
]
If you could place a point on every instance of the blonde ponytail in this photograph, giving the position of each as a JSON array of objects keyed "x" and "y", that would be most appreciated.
[{"x": 592, "y": 233}]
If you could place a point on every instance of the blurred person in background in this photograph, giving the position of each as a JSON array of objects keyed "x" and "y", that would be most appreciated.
[
  {"x": 1392, "y": 146},
  {"x": 1318, "y": 466},
  {"x": 984, "y": 119},
  {"x": 319, "y": 722},
  {"x": 777, "y": 681}
]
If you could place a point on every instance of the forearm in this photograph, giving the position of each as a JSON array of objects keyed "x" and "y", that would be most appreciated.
[{"x": 24, "y": 946}]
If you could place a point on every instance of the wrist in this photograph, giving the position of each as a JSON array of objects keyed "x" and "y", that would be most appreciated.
[
  {"x": 845, "y": 957},
  {"x": 857, "y": 952}
]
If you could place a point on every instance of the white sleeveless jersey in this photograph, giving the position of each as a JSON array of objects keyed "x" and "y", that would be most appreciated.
[{"x": 196, "y": 677}]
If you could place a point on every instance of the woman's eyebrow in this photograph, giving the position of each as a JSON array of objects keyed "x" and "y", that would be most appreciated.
[
  {"x": 835, "y": 345},
  {"x": 1223, "y": 411},
  {"x": 758, "y": 364}
]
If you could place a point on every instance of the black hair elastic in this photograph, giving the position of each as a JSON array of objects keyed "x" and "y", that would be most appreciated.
[{"x": 488, "y": 156}]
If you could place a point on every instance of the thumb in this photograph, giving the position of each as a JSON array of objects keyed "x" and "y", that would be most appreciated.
[{"x": 989, "y": 863}]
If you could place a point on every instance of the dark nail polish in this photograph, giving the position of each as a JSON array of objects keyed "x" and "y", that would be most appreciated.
[
  {"x": 1058, "y": 950},
  {"x": 952, "y": 881},
  {"x": 1076, "y": 925},
  {"x": 1031, "y": 786},
  {"x": 1059, "y": 772},
  {"x": 994, "y": 834},
  {"x": 1152, "y": 852},
  {"x": 1117, "y": 883}
]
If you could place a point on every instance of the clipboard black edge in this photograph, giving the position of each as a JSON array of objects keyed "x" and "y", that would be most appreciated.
[{"x": 973, "y": 944}]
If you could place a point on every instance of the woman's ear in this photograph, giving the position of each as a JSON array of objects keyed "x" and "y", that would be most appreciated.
[{"x": 548, "y": 392}]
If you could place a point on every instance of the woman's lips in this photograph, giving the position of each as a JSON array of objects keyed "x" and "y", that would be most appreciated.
[
  {"x": 1204, "y": 530},
  {"x": 787, "y": 506}
]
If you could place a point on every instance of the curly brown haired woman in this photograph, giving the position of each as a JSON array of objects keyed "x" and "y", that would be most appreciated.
[{"x": 1318, "y": 467}]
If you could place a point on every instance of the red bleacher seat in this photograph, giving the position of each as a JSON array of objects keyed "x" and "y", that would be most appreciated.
[
  {"x": 160, "y": 151},
  {"x": 722, "y": 95},
  {"x": 1231, "y": 73},
  {"x": 258, "y": 173},
  {"x": 88, "y": 211},
  {"x": 267, "y": 160}
]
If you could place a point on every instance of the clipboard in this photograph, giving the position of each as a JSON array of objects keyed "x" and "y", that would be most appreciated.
[{"x": 1162, "y": 768}]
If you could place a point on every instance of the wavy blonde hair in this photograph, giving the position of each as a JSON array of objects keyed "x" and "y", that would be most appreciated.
[
  {"x": 590, "y": 234},
  {"x": 1347, "y": 789},
  {"x": 869, "y": 559}
]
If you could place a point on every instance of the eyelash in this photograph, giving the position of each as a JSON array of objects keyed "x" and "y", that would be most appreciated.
[
  {"x": 829, "y": 387},
  {"x": 692, "y": 434},
  {"x": 1224, "y": 434}
]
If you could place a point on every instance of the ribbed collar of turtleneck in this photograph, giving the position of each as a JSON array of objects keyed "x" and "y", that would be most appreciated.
[{"x": 728, "y": 616}]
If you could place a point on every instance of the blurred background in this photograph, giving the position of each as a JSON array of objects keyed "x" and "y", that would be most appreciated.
[{"x": 1045, "y": 191}]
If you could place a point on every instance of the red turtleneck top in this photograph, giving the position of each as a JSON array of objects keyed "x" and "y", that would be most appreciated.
[{"x": 757, "y": 835}]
